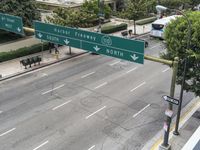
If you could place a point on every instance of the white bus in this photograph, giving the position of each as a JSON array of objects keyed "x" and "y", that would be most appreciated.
[{"x": 158, "y": 26}]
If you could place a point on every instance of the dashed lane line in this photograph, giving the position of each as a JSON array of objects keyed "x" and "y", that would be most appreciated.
[
  {"x": 7, "y": 132},
  {"x": 101, "y": 85},
  {"x": 165, "y": 70},
  {"x": 114, "y": 63},
  {"x": 61, "y": 105},
  {"x": 135, "y": 115},
  {"x": 91, "y": 147},
  {"x": 41, "y": 145},
  {"x": 138, "y": 86},
  {"x": 84, "y": 76},
  {"x": 53, "y": 89},
  {"x": 131, "y": 70},
  {"x": 95, "y": 112}
]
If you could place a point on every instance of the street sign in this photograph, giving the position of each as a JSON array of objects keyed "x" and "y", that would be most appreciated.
[
  {"x": 171, "y": 99},
  {"x": 131, "y": 50},
  {"x": 11, "y": 23}
]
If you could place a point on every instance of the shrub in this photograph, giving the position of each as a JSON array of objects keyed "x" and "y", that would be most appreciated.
[
  {"x": 4, "y": 56},
  {"x": 145, "y": 21},
  {"x": 114, "y": 28}
]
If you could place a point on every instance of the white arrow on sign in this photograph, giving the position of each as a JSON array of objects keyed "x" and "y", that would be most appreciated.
[
  {"x": 66, "y": 41},
  {"x": 96, "y": 48},
  {"x": 40, "y": 35},
  {"x": 134, "y": 57},
  {"x": 18, "y": 29}
]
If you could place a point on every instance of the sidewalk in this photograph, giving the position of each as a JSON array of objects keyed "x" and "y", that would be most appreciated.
[
  {"x": 189, "y": 123},
  {"x": 13, "y": 67}
]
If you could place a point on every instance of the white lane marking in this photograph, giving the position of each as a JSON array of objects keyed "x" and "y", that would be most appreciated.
[
  {"x": 87, "y": 75},
  {"x": 41, "y": 145},
  {"x": 7, "y": 132},
  {"x": 53, "y": 89},
  {"x": 44, "y": 75},
  {"x": 154, "y": 46},
  {"x": 1, "y": 111},
  {"x": 138, "y": 86},
  {"x": 135, "y": 115},
  {"x": 91, "y": 147},
  {"x": 165, "y": 70},
  {"x": 95, "y": 112},
  {"x": 61, "y": 105},
  {"x": 101, "y": 85},
  {"x": 114, "y": 63},
  {"x": 131, "y": 70}
]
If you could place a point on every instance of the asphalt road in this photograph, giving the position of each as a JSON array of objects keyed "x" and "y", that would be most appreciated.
[{"x": 91, "y": 102}]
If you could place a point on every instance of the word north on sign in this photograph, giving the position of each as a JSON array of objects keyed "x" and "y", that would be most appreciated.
[
  {"x": 11, "y": 23},
  {"x": 131, "y": 50}
]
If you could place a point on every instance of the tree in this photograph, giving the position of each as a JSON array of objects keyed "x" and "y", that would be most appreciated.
[
  {"x": 135, "y": 9},
  {"x": 86, "y": 16},
  {"x": 176, "y": 41},
  {"x": 24, "y": 8}
]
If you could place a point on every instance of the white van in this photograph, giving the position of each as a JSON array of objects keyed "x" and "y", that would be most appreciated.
[{"x": 158, "y": 26}]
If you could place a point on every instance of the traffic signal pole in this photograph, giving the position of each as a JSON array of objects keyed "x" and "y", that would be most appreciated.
[{"x": 165, "y": 145}]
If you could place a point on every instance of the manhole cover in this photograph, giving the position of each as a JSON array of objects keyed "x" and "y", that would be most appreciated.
[{"x": 91, "y": 101}]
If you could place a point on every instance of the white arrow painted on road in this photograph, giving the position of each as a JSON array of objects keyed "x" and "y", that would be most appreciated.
[
  {"x": 18, "y": 29},
  {"x": 134, "y": 57},
  {"x": 96, "y": 48},
  {"x": 40, "y": 35},
  {"x": 66, "y": 41}
]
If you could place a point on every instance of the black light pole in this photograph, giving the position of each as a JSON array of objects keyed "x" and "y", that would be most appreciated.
[
  {"x": 166, "y": 135},
  {"x": 184, "y": 74}
]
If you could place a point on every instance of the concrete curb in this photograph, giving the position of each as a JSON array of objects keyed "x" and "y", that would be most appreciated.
[
  {"x": 39, "y": 67},
  {"x": 187, "y": 112}
]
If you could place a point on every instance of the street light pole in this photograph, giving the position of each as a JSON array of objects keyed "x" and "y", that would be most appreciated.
[
  {"x": 184, "y": 74},
  {"x": 166, "y": 135}
]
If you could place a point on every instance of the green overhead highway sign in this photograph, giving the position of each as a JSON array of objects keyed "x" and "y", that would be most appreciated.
[
  {"x": 131, "y": 50},
  {"x": 11, "y": 23}
]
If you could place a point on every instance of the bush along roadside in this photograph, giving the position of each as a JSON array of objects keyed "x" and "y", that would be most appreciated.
[
  {"x": 5, "y": 56},
  {"x": 145, "y": 21},
  {"x": 114, "y": 28}
]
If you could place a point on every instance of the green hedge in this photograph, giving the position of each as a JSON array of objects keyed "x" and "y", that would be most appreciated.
[
  {"x": 4, "y": 56},
  {"x": 145, "y": 21},
  {"x": 114, "y": 28}
]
